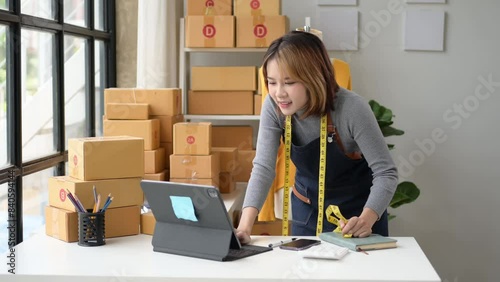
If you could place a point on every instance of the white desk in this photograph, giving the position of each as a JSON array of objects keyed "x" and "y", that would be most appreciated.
[{"x": 42, "y": 258}]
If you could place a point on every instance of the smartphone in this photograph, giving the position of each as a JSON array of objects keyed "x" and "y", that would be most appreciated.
[{"x": 300, "y": 244}]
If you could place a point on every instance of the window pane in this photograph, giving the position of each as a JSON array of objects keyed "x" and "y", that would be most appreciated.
[
  {"x": 4, "y": 5},
  {"x": 3, "y": 96},
  {"x": 35, "y": 198},
  {"x": 37, "y": 97},
  {"x": 75, "y": 12},
  {"x": 99, "y": 14},
  {"x": 38, "y": 8},
  {"x": 4, "y": 216},
  {"x": 74, "y": 86},
  {"x": 99, "y": 84}
]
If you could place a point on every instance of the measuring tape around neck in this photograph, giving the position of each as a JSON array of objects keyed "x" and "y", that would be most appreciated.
[{"x": 321, "y": 177}]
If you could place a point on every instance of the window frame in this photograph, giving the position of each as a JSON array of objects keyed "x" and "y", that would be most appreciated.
[{"x": 15, "y": 22}]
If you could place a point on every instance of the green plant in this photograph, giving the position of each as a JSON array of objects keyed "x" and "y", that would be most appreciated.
[{"x": 406, "y": 191}]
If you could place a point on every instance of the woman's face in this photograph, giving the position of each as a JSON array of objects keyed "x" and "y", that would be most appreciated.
[{"x": 290, "y": 95}]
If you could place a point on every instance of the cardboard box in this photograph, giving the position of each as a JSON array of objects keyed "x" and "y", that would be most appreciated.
[
  {"x": 257, "y": 104},
  {"x": 240, "y": 137},
  {"x": 257, "y": 7},
  {"x": 122, "y": 221},
  {"x": 148, "y": 223},
  {"x": 61, "y": 224},
  {"x": 220, "y": 103},
  {"x": 162, "y": 101},
  {"x": 185, "y": 166},
  {"x": 226, "y": 182},
  {"x": 192, "y": 138},
  {"x": 105, "y": 157},
  {"x": 149, "y": 130},
  {"x": 245, "y": 165},
  {"x": 169, "y": 150},
  {"x": 125, "y": 192},
  {"x": 161, "y": 176},
  {"x": 224, "y": 78},
  {"x": 209, "y": 31},
  {"x": 167, "y": 126},
  {"x": 127, "y": 111},
  {"x": 209, "y": 7},
  {"x": 270, "y": 228},
  {"x": 259, "y": 31},
  {"x": 199, "y": 181},
  {"x": 228, "y": 158},
  {"x": 154, "y": 161}
]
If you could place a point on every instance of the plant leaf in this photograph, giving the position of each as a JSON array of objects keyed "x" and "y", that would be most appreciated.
[
  {"x": 391, "y": 146},
  {"x": 390, "y": 216},
  {"x": 381, "y": 113},
  {"x": 406, "y": 192},
  {"x": 391, "y": 131},
  {"x": 384, "y": 123}
]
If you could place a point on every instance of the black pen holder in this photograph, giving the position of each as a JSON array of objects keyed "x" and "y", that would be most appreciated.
[{"x": 91, "y": 229}]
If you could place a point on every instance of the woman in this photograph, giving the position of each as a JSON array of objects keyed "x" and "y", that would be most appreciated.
[{"x": 360, "y": 174}]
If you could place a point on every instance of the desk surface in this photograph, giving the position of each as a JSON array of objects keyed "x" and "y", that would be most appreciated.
[{"x": 43, "y": 258}]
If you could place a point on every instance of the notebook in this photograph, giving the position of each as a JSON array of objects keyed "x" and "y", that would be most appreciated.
[
  {"x": 191, "y": 220},
  {"x": 372, "y": 242}
]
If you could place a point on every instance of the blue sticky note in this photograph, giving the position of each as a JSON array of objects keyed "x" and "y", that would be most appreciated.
[{"x": 183, "y": 208}]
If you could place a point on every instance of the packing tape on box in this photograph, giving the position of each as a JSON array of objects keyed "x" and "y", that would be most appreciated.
[
  {"x": 209, "y": 31},
  {"x": 260, "y": 31}
]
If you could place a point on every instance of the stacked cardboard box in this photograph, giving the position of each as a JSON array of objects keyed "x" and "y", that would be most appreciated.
[
  {"x": 222, "y": 90},
  {"x": 155, "y": 126},
  {"x": 241, "y": 138},
  {"x": 193, "y": 160},
  {"x": 114, "y": 165}
]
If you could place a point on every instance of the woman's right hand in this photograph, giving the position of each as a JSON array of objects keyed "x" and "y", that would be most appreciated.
[{"x": 243, "y": 236}]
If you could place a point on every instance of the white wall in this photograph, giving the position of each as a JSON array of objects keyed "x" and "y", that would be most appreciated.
[{"x": 455, "y": 220}]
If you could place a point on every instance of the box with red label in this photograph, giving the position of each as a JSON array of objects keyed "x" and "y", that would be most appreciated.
[
  {"x": 192, "y": 138},
  {"x": 105, "y": 157},
  {"x": 149, "y": 130},
  {"x": 167, "y": 126},
  {"x": 185, "y": 166},
  {"x": 125, "y": 192},
  {"x": 257, "y": 8},
  {"x": 209, "y": 31},
  {"x": 127, "y": 111},
  {"x": 154, "y": 160},
  {"x": 209, "y": 7},
  {"x": 162, "y": 101},
  {"x": 259, "y": 31}
]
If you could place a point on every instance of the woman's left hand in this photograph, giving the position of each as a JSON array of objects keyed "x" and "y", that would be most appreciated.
[{"x": 360, "y": 226}]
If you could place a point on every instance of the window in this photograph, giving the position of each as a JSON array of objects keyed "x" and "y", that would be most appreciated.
[
  {"x": 75, "y": 12},
  {"x": 38, "y": 8},
  {"x": 37, "y": 93},
  {"x": 75, "y": 86},
  {"x": 3, "y": 96},
  {"x": 56, "y": 59}
]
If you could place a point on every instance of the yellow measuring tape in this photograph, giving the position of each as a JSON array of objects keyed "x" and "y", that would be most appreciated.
[{"x": 332, "y": 209}]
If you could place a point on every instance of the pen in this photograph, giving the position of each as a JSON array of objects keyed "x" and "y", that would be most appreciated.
[{"x": 281, "y": 243}]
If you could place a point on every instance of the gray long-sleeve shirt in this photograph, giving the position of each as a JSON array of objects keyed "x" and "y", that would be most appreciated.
[{"x": 358, "y": 130}]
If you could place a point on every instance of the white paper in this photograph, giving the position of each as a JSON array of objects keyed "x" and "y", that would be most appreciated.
[
  {"x": 426, "y": 1},
  {"x": 424, "y": 30},
  {"x": 337, "y": 2},
  {"x": 339, "y": 27}
]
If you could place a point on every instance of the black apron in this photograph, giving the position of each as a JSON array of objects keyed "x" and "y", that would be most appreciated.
[{"x": 347, "y": 185}]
